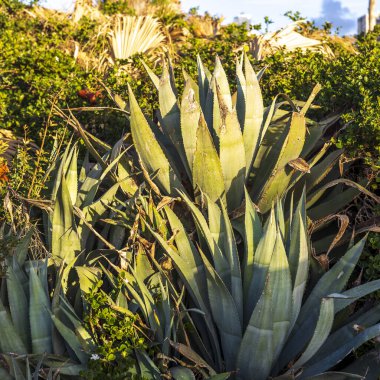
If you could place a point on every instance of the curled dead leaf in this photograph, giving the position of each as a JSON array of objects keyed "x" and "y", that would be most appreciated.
[
  {"x": 300, "y": 164},
  {"x": 323, "y": 261}
]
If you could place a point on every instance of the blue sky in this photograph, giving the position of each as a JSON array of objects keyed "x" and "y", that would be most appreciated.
[{"x": 342, "y": 13}]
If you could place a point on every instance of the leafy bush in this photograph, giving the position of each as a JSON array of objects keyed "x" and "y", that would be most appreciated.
[
  {"x": 349, "y": 85},
  {"x": 115, "y": 334}
]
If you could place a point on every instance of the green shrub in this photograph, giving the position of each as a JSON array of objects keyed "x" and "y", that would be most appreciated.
[
  {"x": 115, "y": 335},
  {"x": 349, "y": 85}
]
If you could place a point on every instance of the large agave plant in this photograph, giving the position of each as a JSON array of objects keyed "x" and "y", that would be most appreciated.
[
  {"x": 250, "y": 308},
  {"x": 230, "y": 155}
]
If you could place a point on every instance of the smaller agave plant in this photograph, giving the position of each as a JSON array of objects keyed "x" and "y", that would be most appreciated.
[{"x": 45, "y": 331}]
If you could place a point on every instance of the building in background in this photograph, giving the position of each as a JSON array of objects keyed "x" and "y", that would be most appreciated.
[
  {"x": 243, "y": 17},
  {"x": 363, "y": 23}
]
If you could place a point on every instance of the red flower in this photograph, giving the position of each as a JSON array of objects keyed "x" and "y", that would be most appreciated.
[{"x": 4, "y": 170}]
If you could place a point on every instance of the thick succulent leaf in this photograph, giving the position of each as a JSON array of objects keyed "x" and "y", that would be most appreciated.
[
  {"x": 298, "y": 257},
  {"x": 126, "y": 178},
  {"x": 62, "y": 169},
  {"x": 224, "y": 313},
  {"x": 93, "y": 212},
  {"x": 232, "y": 157},
  {"x": 10, "y": 340},
  {"x": 351, "y": 295},
  {"x": 72, "y": 176},
  {"x": 181, "y": 373},
  {"x": 302, "y": 271},
  {"x": 70, "y": 338},
  {"x": 332, "y": 281},
  {"x": 337, "y": 376},
  {"x": 315, "y": 133},
  {"x": 254, "y": 111},
  {"x": 270, "y": 146},
  {"x": 148, "y": 369},
  {"x": 331, "y": 204},
  {"x": 311, "y": 98},
  {"x": 222, "y": 84},
  {"x": 143, "y": 298},
  {"x": 16, "y": 370},
  {"x": 40, "y": 321},
  {"x": 319, "y": 172},
  {"x": 227, "y": 244},
  {"x": 204, "y": 78},
  {"x": 18, "y": 304},
  {"x": 252, "y": 234},
  {"x": 154, "y": 78},
  {"x": 345, "y": 334},
  {"x": 5, "y": 375},
  {"x": 207, "y": 171},
  {"x": 190, "y": 114},
  {"x": 269, "y": 323},
  {"x": 262, "y": 259},
  {"x": 150, "y": 151},
  {"x": 187, "y": 260},
  {"x": 86, "y": 341},
  {"x": 205, "y": 233},
  {"x": 94, "y": 150},
  {"x": 60, "y": 363},
  {"x": 190, "y": 267},
  {"x": 272, "y": 138},
  {"x": 88, "y": 277},
  {"x": 341, "y": 352},
  {"x": 368, "y": 366},
  {"x": 65, "y": 240},
  {"x": 21, "y": 250},
  {"x": 221, "y": 376},
  {"x": 281, "y": 289},
  {"x": 90, "y": 185},
  {"x": 321, "y": 332},
  {"x": 193, "y": 85},
  {"x": 171, "y": 118},
  {"x": 256, "y": 349},
  {"x": 281, "y": 174},
  {"x": 336, "y": 203},
  {"x": 240, "y": 93},
  {"x": 280, "y": 219},
  {"x": 212, "y": 112}
]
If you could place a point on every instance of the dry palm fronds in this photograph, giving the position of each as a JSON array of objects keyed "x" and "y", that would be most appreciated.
[
  {"x": 288, "y": 39},
  {"x": 147, "y": 7},
  {"x": 85, "y": 8},
  {"x": 45, "y": 14},
  {"x": 135, "y": 34},
  {"x": 205, "y": 26},
  {"x": 9, "y": 144},
  {"x": 346, "y": 42}
]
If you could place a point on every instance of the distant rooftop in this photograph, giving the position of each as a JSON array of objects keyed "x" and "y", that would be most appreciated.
[{"x": 363, "y": 23}]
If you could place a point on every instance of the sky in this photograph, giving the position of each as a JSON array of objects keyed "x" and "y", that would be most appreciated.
[{"x": 342, "y": 13}]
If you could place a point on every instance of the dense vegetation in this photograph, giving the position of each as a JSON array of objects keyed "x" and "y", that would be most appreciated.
[{"x": 166, "y": 215}]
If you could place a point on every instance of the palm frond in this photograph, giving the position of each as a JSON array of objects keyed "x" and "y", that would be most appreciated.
[
  {"x": 287, "y": 38},
  {"x": 135, "y": 34}
]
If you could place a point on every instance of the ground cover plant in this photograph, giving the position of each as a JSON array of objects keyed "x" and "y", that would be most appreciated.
[{"x": 200, "y": 238}]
